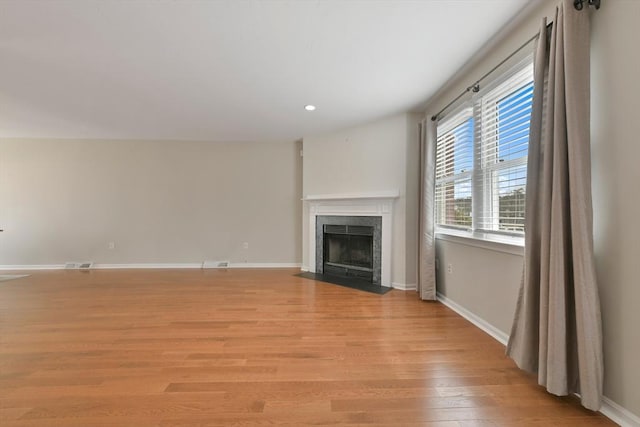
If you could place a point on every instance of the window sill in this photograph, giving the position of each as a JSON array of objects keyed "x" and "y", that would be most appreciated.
[{"x": 495, "y": 242}]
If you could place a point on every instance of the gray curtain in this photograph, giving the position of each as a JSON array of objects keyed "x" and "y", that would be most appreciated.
[
  {"x": 427, "y": 244},
  {"x": 557, "y": 329}
]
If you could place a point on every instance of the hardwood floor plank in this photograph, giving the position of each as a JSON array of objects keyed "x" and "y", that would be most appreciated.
[{"x": 251, "y": 348}]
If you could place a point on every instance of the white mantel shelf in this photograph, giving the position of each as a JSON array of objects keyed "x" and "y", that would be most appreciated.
[{"x": 391, "y": 194}]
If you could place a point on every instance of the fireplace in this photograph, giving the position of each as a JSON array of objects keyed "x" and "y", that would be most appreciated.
[
  {"x": 349, "y": 246},
  {"x": 363, "y": 209}
]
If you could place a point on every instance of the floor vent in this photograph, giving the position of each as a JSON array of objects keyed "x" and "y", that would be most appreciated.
[
  {"x": 78, "y": 265},
  {"x": 216, "y": 264}
]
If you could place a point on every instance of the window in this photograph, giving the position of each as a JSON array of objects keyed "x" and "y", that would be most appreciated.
[
  {"x": 481, "y": 160},
  {"x": 454, "y": 170}
]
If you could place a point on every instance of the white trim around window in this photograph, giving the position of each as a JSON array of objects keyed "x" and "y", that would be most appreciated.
[{"x": 481, "y": 163}]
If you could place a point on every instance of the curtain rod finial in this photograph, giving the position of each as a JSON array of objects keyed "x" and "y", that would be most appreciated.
[{"x": 579, "y": 4}]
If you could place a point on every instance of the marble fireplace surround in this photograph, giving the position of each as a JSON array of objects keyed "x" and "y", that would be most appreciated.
[{"x": 360, "y": 204}]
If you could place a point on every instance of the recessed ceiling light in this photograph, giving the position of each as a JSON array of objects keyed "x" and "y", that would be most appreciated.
[{"x": 309, "y": 107}]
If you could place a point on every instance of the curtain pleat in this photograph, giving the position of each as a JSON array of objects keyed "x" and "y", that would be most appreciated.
[
  {"x": 427, "y": 243},
  {"x": 557, "y": 329}
]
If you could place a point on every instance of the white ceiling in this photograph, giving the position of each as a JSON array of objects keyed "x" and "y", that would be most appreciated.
[{"x": 228, "y": 70}]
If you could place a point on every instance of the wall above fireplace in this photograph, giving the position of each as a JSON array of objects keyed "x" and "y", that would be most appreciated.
[{"x": 363, "y": 163}]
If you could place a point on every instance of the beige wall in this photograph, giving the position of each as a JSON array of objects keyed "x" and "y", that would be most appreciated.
[
  {"x": 484, "y": 281},
  {"x": 488, "y": 282},
  {"x": 159, "y": 202},
  {"x": 615, "y": 129},
  {"x": 364, "y": 159}
]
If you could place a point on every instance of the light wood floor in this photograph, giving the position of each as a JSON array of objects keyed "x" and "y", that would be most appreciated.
[{"x": 251, "y": 347}]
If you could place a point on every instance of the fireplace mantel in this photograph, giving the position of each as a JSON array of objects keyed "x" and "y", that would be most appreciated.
[
  {"x": 392, "y": 194},
  {"x": 359, "y": 204}
]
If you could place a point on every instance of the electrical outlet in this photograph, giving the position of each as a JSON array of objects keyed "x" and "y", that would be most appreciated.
[
  {"x": 449, "y": 268},
  {"x": 245, "y": 245},
  {"x": 111, "y": 245}
]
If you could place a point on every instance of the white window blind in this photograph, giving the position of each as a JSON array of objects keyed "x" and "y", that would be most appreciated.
[
  {"x": 454, "y": 170},
  {"x": 481, "y": 161}
]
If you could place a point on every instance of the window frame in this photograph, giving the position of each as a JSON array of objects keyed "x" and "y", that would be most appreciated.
[
  {"x": 485, "y": 168},
  {"x": 460, "y": 116}
]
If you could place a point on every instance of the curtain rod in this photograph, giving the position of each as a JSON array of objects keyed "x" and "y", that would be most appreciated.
[
  {"x": 578, "y": 4},
  {"x": 476, "y": 86}
]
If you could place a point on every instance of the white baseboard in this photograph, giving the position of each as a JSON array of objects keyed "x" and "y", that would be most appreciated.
[
  {"x": 265, "y": 265},
  {"x": 609, "y": 409},
  {"x": 496, "y": 333},
  {"x": 404, "y": 286},
  {"x": 618, "y": 414},
  {"x": 185, "y": 265},
  {"x": 33, "y": 267},
  {"x": 152, "y": 265}
]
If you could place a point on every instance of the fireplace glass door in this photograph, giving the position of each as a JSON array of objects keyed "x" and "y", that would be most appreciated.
[{"x": 348, "y": 251}]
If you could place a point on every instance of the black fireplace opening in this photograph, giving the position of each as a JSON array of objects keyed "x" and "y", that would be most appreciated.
[
  {"x": 349, "y": 248},
  {"x": 348, "y": 251}
]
